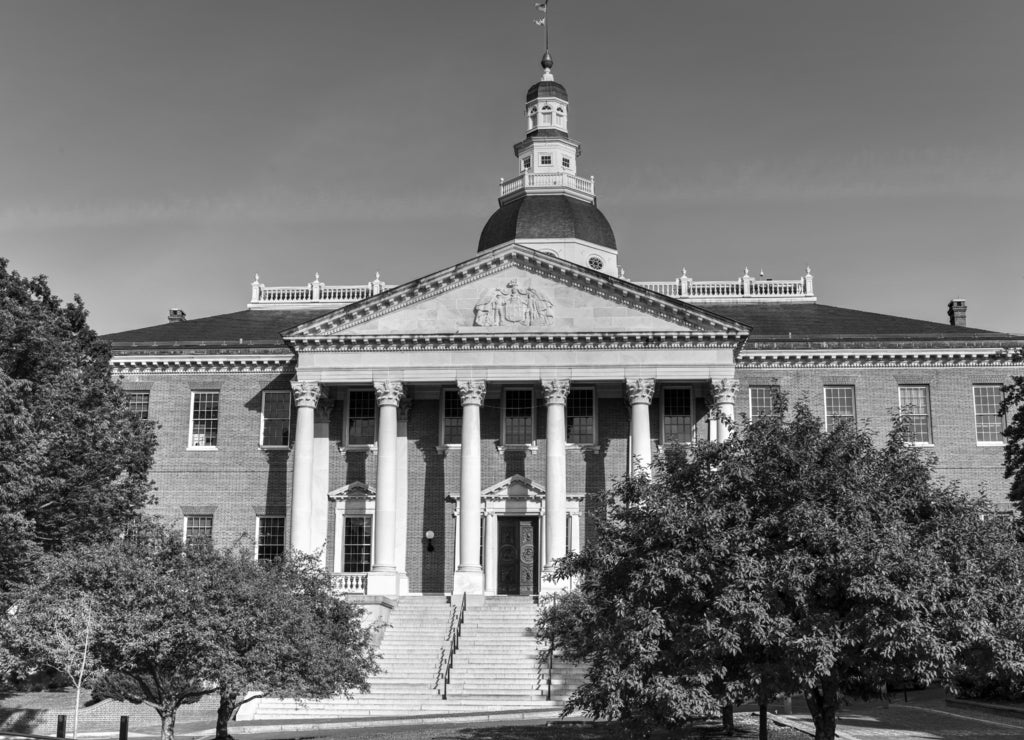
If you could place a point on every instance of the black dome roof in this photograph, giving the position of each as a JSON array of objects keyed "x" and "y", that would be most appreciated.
[
  {"x": 546, "y": 89},
  {"x": 546, "y": 217}
]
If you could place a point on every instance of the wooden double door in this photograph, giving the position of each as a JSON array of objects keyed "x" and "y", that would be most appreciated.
[{"x": 518, "y": 564}]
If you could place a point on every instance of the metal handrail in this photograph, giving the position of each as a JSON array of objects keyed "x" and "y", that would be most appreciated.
[
  {"x": 444, "y": 671},
  {"x": 551, "y": 649}
]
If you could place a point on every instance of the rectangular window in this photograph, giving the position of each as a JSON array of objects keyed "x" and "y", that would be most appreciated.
[
  {"x": 526, "y": 163},
  {"x": 198, "y": 527},
  {"x": 451, "y": 418},
  {"x": 677, "y": 416},
  {"x": 362, "y": 417},
  {"x": 840, "y": 405},
  {"x": 277, "y": 409},
  {"x": 138, "y": 403},
  {"x": 270, "y": 539},
  {"x": 579, "y": 417},
  {"x": 358, "y": 540},
  {"x": 545, "y": 159},
  {"x": 205, "y": 415},
  {"x": 762, "y": 400},
  {"x": 565, "y": 163},
  {"x": 916, "y": 409},
  {"x": 518, "y": 422},
  {"x": 988, "y": 424}
]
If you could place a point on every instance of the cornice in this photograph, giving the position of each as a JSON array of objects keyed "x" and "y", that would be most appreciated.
[
  {"x": 980, "y": 357},
  {"x": 196, "y": 364},
  {"x": 509, "y": 341}
]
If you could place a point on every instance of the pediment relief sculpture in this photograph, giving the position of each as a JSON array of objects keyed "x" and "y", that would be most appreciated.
[{"x": 513, "y": 305}]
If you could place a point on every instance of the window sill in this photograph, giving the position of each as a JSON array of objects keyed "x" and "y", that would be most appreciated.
[
  {"x": 531, "y": 448},
  {"x": 919, "y": 444},
  {"x": 204, "y": 448},
  {"x": 443, "y": 449},
  {"x": 359, "y": 448},
  {"x": 990, "y": 444},
  {"x": 275, "y": 447},
  {"x": 581, "y": 445}
]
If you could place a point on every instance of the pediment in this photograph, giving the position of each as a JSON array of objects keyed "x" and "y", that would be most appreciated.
[
  {"x": 355, "y": 491},
  {"x": 515, "y": 291}
]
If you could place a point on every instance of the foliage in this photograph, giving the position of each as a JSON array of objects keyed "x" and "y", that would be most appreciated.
[
  {"x": 176, "y": 622},
  {"x": 787, "y": 558},
  {"x": 1012, "y": 409},
  {"x": 74, "y": 460}
]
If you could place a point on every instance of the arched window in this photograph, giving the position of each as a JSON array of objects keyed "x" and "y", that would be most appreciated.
[
  {"x": 532, "y": 118},
  {"x": 559, "y": 116},
  {"x": 545, "y": 115}
]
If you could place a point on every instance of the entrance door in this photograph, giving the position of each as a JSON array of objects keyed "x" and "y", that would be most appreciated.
[{"x": 517, "y": 555}]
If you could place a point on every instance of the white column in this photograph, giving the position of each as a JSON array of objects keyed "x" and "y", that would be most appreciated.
[
  {"x": 555, "y": 393},
  {"x": 491, "y": 554},
  {"x": 640, "y": 391},
  {"x": 402, "y": 495},
  {"x": 574, "y": 520},
  {"x": 725, "y": 403},
  {"x": 382, "y": 579},
  {"x": 306, "y": 394},
  {"x": 321, "y": 474},
  {"x": 469, "y": 575}
]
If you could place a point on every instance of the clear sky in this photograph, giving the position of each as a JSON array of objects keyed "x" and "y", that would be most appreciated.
[{"x": 157, "y": 154}]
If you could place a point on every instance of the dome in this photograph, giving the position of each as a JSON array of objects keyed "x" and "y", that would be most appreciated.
[
  {"x": 547, "y": 217},
  {"x": 546, "y": 89}
]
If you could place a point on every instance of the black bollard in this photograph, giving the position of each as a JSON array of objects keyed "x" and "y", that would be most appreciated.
[
  {"x": 122, "y": 733},
  {"x": 62, "y": 725}
]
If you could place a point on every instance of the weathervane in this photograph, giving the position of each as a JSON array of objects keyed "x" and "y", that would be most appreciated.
[{"x": 543, "y": 21}]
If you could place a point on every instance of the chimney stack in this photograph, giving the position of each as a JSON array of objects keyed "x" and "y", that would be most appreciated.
[
  {"x": 176, "y": 314},
  {"x": 957, "y": 312}
]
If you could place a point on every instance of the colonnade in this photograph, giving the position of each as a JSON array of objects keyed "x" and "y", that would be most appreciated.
[{"x": 469, "y": 575}]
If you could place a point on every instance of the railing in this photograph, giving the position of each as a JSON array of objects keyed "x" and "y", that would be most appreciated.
[
  {"x": 349, "y": 583},
  {"x": 527, "y": 180},
  {"x": 743, "y": 288},
  {"x": 551, "y": 648},
  {"x": 444, "y": 670},
  {"x": 315, "y": 292}
]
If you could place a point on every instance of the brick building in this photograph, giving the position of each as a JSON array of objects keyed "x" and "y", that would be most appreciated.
[{"x": 448, "y": 435}]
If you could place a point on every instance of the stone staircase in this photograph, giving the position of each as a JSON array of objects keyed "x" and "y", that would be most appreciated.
[{"x": 495, "y": 669}]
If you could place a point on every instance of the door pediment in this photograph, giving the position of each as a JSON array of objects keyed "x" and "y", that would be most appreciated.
[{"x": 514, "y": 292}]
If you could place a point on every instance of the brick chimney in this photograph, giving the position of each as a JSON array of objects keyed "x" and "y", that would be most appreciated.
[
  {"x": 176, "y": 314},
  {"x": 957, "y": 312}
]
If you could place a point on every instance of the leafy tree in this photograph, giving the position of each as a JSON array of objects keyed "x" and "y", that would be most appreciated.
[
  {"x": 177, "y": 622},
  {"x": 1012, "y": 409},
  {"x": 787, "y": 558},
  {"x": 74, "y": 460}
]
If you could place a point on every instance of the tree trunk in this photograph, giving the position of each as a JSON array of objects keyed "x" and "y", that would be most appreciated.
[
  {"x": 167, "y": 722},
  {"x": 727, "y": 720},
  {"x": 823, "y": 705},
  {"x": 224, "y": 711},
  {"x": 762, "y": 721}
]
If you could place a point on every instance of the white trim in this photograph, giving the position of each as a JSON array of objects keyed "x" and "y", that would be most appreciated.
[
  {"x": 532, "y": 444},
  {"x": 351, "y": 509},
  {"x": 263, "y": 418},
  {"x": 824, "y": 400},
  {"x": 593, "y": 435},
  {"x": 662, "y": 440},
  {"x": 927, "y": 413},
  {"x": 974, "y": 399},
  {"x": 345, "y": 421},
  {"x": 443, "y": 441},
  {"x": 191, "y": 419},
  {"x": 284, "y": 530}
]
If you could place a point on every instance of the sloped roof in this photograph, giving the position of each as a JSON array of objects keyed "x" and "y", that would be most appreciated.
[{"x": 243, "y": 329}]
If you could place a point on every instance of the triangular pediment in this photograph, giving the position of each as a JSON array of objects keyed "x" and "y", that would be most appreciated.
[
  {"x": 354, "y": 491},
  {"x": 513, "y": 291}
]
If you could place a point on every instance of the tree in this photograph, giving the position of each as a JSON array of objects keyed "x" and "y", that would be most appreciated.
[
  {"x": 788, "y": 558},
  {"x": 56, "y": 630},
  {"x": 176, "y": 622},
  {"x": 74, "y": 460},
  {"x": 1012, "y": 408}
]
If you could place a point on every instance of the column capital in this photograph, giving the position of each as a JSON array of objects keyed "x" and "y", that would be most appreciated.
[
  {"x": 555, "y": 391},
  {"x": 640, "y": 390},
  {"x": 306, "y": 393},
  {"x": 472, "y": 392},
  {"x": 389, "y": 392},
  {"x": 725, "y": 391},
  {"x": 322, "y": 411}
]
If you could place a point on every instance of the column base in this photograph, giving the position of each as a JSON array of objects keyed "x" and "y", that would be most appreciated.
[
  {"x": 382, "y": 583},
  {"x": 469, "y": 581}
]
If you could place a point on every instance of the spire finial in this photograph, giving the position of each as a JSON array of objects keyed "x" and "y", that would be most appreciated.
[{"x": 546, "y": 62}]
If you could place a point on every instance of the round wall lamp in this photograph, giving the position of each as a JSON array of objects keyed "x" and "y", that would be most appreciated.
[{"x": 429, "y": 536}]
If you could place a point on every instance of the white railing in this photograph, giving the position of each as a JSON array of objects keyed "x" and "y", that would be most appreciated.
[
  {"x": 745, "y": 288},
  {"x": 314, "y": 292},
  {"x": 349, "y": 583},
  {"x": 541, "y": 180}
]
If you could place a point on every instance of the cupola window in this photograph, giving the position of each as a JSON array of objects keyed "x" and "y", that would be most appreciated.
[
  {"x": 526, "y": 163},
  {"x": 545, "y": 115},
  {"x": 560, "y": 117},
  {"x": 532, "y": 118},
  {"x": 545, "y": 159},
  {"x": 566, "y": 164},
  {"x": 595, "y": 263}
]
